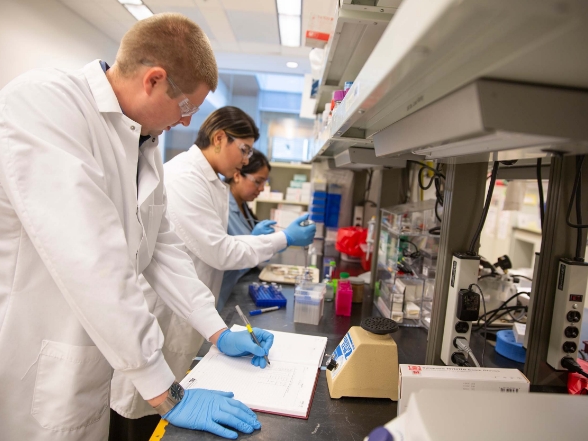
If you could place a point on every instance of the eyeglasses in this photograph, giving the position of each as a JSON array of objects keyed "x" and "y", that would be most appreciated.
[
  {"x": 258, "y": 182},
  {"x": 246, "y": 150},
  {"x": 187, "y": 108}
]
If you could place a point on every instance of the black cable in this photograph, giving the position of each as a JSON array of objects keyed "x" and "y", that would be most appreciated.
[
  {"x": 485, "y": 323},
  {"x": 501, "y": 307},
  {"x": 497, "y": 314},
  {"x": 521, "y": 276},
  {"x": 576, "y": 182},
  {"x": 410, "y": 242},
  {"x": 476, "y": 237},
  {"x": 579, "y": 253},
  {"x": 540, "y": 188},
  {"x": 572, "y": 366}
]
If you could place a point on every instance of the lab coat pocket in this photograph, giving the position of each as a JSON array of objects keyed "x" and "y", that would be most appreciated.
[
  {"x": 71, "y": 388},
  {"x": 155, "y": 214}
]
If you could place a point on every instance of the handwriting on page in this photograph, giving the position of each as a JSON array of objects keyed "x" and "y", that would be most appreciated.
[{"x": 278, "y": 388}]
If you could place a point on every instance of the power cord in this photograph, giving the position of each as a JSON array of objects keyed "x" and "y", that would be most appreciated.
[
  {"x": 459, "y": 359},
  {"x": 573, "y": 366},
  {"x": 576, "y": 194},
  {"x": 540, "y": 189},
  {"x": 476, "y": 237},
  {"x": 485, "y": 322},
  {"x": 461, "y": 344}
]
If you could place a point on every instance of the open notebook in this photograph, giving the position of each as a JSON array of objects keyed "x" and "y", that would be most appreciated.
[{"x": 285, "y": 388}]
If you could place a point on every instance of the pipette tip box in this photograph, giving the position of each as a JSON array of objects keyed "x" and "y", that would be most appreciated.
[{"x": 309, "y": 302}]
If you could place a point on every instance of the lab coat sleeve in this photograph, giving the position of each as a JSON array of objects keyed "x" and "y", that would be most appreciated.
[
  {"x": 172, "y": 275},
  {"x": 59, "y": 192},
  {"x": 196, "y": 221}
]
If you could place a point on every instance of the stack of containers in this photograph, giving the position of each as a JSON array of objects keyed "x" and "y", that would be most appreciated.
[
  {"x": 318, "y": 206},
  {"x": 333, "y": 205},
  {"x": 309, "y": 302},
  {"x": 297, "y": 191}
]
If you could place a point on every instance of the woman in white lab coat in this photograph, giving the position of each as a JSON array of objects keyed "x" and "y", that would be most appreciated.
[
  {"x": 245, "y": 186},
  {"x": 198, "y": 205}
]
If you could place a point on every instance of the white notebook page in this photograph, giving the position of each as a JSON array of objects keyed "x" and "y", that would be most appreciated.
[
  {"x": 294, "y": 348},
  {"x": 281, "y": 388}
]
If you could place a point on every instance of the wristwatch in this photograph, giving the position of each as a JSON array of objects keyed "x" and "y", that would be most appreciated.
[{"x": 174, "y": 395}]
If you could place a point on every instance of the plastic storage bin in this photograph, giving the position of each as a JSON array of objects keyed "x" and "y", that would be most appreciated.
[{"x": 309, "y": 302}]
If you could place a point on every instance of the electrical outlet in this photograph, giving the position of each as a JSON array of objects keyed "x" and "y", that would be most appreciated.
[
  {"x": 568, "y": 309},
  {"x": 464, "y": 272}
]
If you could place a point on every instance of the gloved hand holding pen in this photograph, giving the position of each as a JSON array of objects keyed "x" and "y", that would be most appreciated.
[
  {"x": 238, "y": 344},
  {"x": 210, "y": 410},
  {"x": 300, "y": 235},
  {"x": 264, "y": 227}
]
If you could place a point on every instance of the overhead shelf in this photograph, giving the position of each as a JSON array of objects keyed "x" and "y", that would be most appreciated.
[
  {"x": 356, "y": 34},
  {"x": 431, "y": 49}
]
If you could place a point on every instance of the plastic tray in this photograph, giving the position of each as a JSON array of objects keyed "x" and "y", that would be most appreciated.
[{"x": 265, "y": 295}]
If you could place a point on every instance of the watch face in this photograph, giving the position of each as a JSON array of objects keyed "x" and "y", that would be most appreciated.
[{"x": 176, "y": 391}]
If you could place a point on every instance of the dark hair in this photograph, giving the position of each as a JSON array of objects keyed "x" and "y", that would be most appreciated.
[
  {"x": 257, "y": 161},
  {"x": 234, "y": 122}
]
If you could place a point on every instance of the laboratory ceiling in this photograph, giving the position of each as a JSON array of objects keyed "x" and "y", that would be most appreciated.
[{"x": 237, "y": 29}]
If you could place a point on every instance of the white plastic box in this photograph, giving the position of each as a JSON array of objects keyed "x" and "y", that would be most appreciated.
[
  {"x": 413, "y": 378},
  {"x": 309, "y": 299}
]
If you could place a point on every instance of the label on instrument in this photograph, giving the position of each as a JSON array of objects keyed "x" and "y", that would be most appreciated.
[{"x": 342, "y": 354}]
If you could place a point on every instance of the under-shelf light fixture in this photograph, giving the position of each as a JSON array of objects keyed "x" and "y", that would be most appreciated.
[
  {"x": 136, "y": 8},
  {"x": 290, "y": 21}
]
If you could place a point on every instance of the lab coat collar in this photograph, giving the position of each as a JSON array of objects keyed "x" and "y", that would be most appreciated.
[
  {"x": 204, "y": 165},
  {"x": 101, "y": 88}
]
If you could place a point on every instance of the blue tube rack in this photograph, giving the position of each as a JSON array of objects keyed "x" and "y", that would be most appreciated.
[{"x": 265, "y": 295}]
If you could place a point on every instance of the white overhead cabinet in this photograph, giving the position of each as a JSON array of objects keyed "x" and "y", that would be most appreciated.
[{"x": 433, "y": 48}]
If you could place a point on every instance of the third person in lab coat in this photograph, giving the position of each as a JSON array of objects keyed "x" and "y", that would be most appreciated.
[{"x": 198, "y": 206}]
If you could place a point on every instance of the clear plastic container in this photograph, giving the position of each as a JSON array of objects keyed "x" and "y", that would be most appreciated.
[
  {"x": 328, "y": 281},
  {"x": 309, "y": 302},
  {"x": 344, "y": 296},
  {"x": 357, "y": 285},
  {"x": 429, "y": 264}
]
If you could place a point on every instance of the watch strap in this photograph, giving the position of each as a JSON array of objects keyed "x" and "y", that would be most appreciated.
[{"x": 170, "y": 401}]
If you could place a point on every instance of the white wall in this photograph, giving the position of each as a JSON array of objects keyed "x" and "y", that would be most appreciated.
[
  {"x": 248, "y": 104},
  {"x": 43, "y": 33}
]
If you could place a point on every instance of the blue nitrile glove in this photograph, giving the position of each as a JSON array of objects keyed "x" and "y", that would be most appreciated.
[
  {"x": 300, "y": 235},
  {"x": 237, "y": 344},
  {"x": 264, "y": 227},
  {"x": 210, "y": 410}
]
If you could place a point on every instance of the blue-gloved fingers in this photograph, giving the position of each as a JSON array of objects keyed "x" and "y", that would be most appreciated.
[
  {"x": 239, "y": 405},
  {"x": 229, "y": 420},
  {"x": 259, "y": 362},
  {"x": 266, "y": 339},
  {"x": 239, "y": 418},
  {"x": 219, "y": 430},
  {"x": 301, "y": 219},
  {"x": 223, "y": 393}
]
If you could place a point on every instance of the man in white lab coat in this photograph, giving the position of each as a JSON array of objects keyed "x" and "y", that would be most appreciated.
[{"x": 82, "y": 213}]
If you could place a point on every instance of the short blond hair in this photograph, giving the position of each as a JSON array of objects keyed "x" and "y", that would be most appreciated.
[{"x": 175, "y": 43}]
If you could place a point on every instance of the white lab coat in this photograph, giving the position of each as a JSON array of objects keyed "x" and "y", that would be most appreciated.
[
  {"x": 73, "y": 238},
  {"x": 198, "y": 204}
]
